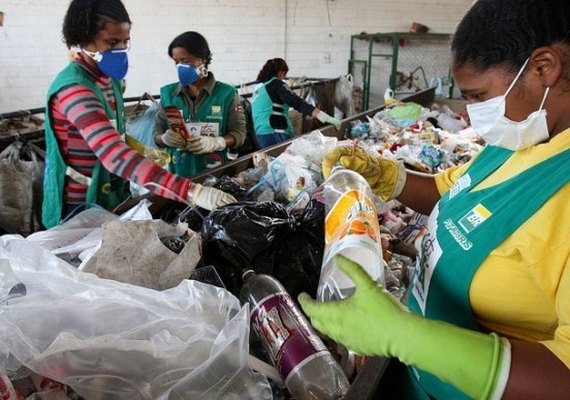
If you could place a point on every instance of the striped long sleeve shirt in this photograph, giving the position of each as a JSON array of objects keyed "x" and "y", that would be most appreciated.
[{"x": 85, "y": 135}]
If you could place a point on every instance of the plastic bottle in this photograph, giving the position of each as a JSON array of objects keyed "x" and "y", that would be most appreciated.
[
  {"x": 307, "y": 367},
  {"x": 351, "y": 229}
]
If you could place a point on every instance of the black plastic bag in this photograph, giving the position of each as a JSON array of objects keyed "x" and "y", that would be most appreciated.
[
  {"x": 194, "y": 216},
  {"x": 231, "y": 186},
  {"x": 264, "y": 237},
  {"x": 250, "y": 143}
]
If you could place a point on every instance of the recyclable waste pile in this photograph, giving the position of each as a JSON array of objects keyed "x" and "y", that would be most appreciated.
[
  {"x": 426, "y": 139},
  {"x": 276, "y": 228}
]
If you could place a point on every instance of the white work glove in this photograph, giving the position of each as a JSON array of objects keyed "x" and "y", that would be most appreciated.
[
  {"x": 173, "y": 139},
  {"x": 327, "y": 119},
  {"x": 208, "y": 197},
  {"x": 205, "y": 144}
]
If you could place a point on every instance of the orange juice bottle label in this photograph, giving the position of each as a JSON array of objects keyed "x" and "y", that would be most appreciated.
[{"x": 352, "y": 214}]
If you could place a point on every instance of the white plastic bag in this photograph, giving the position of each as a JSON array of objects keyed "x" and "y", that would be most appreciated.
[
  {"x": 111, "y": 340},
  {"x": 343, "y": 95}
]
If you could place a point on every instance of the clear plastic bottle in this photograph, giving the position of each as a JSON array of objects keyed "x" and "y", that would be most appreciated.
[
  {"x": 351, "y": 229},
  {"x": 307, "y": 367}
]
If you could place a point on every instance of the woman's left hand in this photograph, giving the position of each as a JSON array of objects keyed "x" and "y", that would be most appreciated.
[{"x": 373, "y": 322}]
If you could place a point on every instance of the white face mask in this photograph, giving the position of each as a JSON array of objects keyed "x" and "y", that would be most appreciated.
[{"x": 489, "y": 121}]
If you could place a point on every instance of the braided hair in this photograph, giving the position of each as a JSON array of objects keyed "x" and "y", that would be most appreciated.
[
  {"x": 194, "y": 43},
  {"x": 503, "y": 33},
  {"x": 85, "y": 18},
  {"x": 271, "y": 68}
]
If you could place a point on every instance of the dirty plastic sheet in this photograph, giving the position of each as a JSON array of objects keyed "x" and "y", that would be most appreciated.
[
  {"x": 132, "y": 252},
  {"x": 111, "y": 340}
]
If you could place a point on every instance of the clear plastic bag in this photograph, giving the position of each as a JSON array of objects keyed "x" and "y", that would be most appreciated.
[
  {"x": 111, "y": 340},
  {"x": 81, "y": 232}
]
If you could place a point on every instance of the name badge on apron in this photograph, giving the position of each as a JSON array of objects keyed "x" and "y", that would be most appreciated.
[{"x": 203, "y": 128}]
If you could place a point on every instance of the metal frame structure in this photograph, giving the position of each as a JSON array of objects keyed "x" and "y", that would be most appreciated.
[{"x": 396, "y": 39}]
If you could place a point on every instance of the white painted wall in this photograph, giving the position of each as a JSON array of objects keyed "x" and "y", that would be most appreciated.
[{"x": 312, "y": 35}]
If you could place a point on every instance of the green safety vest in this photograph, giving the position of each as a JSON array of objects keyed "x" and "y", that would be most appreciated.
[
  {"x": 106, "y": 190},
  {"x": 463, "y": 229},
  {"x": 262, "y": 108},
  {"x": 215, "y": 109}
]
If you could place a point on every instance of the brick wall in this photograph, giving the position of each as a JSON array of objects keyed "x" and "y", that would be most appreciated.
[{"x": 313, "y": 35}]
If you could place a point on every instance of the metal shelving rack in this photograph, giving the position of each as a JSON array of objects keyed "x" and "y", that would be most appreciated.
[{"x": 404, "y": 62}]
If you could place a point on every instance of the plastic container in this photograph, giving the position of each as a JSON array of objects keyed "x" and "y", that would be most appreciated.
[
  {"x": 351, "y": 229},
  {"x": 306, "y": 366}
]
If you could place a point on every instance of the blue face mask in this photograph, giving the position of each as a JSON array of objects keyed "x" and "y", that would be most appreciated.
[
  {"x": 114, "y": 62},
  {"x": 188, "y": 74}
]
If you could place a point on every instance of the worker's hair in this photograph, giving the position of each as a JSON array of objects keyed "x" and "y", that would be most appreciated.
[
  {"x": 503, "y": 33},
  {"x": 271, "y": 68},
  {"x": 194, "y": 43},
  {"x": 85, "y": 18}
]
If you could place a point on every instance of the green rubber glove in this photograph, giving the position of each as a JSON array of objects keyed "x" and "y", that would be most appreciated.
[
  {"x": 386, "y": 177},
  {"x": 327, "y": 119},
  {"x": 373, "y": 322}
]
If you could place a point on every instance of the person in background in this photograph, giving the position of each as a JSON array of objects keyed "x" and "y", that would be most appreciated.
[
  {"x": 490, "y": 297},
  {"x": 211, "y": 108},
  {"x": 270, "y": 105},
  {"x": 87, "y": 160}
]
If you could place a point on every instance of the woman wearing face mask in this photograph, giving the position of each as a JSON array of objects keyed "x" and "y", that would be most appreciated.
[
  {"x": 270, "y": 105},
  {"x": 490, "y": 298},
  {"x": 211, "y": 108},
  {"x": 87, "y": 161}
]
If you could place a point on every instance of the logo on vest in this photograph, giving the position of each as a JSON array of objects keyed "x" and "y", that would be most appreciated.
[
  {"x": 474, "y": 218},
  {"x": 216, "y": 112}
]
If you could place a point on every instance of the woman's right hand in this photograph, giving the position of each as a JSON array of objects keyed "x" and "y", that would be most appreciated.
[{"x": 172, "y": 138}]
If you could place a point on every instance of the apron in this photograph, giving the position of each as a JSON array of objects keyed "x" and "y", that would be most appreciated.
[
  {"x": 214, "y": 110},
  {"x": 267, "y": 115},
  {"x": 103, "y": 188},
  {"x": 463, "y": 229}
]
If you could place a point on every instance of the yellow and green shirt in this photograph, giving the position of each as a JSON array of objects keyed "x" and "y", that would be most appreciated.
[{"x": 522, "y": 289}]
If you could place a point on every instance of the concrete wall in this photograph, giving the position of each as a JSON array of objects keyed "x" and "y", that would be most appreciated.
[{"x": 312, "y": 35}]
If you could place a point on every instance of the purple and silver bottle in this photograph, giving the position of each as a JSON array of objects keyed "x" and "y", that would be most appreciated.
[{"x": 307, "y": 367}]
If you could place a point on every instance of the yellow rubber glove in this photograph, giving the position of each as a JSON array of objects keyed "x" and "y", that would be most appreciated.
[
  {"x": 386, "y": 177},
  {"x": 373, "y": 322}
]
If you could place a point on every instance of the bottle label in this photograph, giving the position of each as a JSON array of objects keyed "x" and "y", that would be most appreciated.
[
  {"x": 287, "y": 335},
  {"x": 352, "y": 223}
]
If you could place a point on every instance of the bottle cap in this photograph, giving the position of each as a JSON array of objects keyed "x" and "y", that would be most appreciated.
[{"x": 247, "y": 274}]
